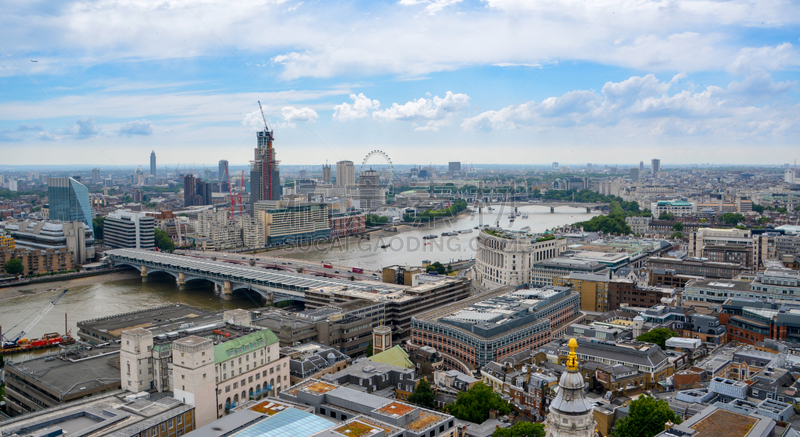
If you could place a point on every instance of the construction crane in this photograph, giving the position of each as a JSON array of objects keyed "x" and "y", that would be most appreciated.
[
  {"x": 178, "y": 230},
  {"x": 266, "y": 129},
  {"x": 725, "y": 187},
  {"x": 13, "y": 342}
]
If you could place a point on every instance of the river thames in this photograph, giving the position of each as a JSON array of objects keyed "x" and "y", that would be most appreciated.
[{"x": 88, "y": 301}]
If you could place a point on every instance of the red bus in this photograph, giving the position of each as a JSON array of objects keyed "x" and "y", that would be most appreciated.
[
  {"x": 327, "y": 266},
  {"x": 357, "y": 270}
]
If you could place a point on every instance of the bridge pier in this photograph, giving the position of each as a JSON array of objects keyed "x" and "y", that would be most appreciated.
[
  {"x": 552, "y": 210},
  {"x": 181, "y": 281},
  {"x": 588, "y": 210},
  {"x": 144, "y": 274},
  {"x": 227, "y": 290}
]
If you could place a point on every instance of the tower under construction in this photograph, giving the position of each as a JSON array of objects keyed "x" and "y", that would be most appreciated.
[{"x": 265, "y": 180}]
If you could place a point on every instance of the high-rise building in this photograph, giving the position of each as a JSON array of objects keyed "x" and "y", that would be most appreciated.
[
  {"x": 128, "y": 229},
  {"x": 69, "y": 200},
  {"x": 96, "y": 175},
  {"x": 655, "y": 166},
  {"x": 555, "y": 166},
  {"x": 345, "y": 174},
  {"x": 189, "y": 190},
  {"x": 326, "y": 173},
  {"x": 223, "y": 177},
  {"x": 265, "y": 180},
  {"x": 369, "y": 189},
  {"x": 453, "y": 167},
  {"x": 153, "y": 163}
]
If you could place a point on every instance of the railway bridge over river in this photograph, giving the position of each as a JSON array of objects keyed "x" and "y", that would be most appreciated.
[{"x": 273, "y": 285}]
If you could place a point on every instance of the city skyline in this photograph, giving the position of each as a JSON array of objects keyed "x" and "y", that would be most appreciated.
[{"x": 597, "y": 83}]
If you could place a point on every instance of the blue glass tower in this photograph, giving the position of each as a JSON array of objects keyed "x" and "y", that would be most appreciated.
[{"x": 69, "y": 201}]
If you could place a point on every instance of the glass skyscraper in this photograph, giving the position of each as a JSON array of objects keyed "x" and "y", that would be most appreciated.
[{"x": 69, "y": 201}]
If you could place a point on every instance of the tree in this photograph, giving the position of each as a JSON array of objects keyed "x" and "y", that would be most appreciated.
[
  {"x": 98, "y": 223},
  {"x": 163, "y": 242},
  {"x": 368, "y": 352},
  {"x": 677, "y": 227},
  {"x": 731, "y": 218},
  {"x": 14, "y": 267},
  {"x": 521, "y": 429},
  {"x": 676, "y": 236},
  {"x": 646, "y": 418},
  {"x": 658, "y": 336},
  {"x": 758, "y": 208},
  {"x": 666, "y": 216},
  {"x": 436, "y": 267},
  {"x": 474, "y": 404},
  {"x": 423, "y": 394}
]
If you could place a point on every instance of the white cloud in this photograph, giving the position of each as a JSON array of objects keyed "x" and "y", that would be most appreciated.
[
  {"x": 431, "y": 6},
  {"x": 752, "y": 59},
  {"x": 436, "y": 111},
  {"x": 136, "y": 127},
  {"x": 360, "y": 108},
  {"x": 291, "y": 115},
  {"x": 644, "y": 103}
]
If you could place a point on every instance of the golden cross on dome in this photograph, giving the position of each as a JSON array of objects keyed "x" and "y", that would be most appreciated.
[{"x": 572, "y": 359}]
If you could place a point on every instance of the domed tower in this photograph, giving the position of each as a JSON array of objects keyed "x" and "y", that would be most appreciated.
[{"x": 570, "y": 412}]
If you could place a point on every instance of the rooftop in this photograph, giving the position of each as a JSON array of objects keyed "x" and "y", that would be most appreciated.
[
  {"x": 157, "y": 320},
  {"x": 723, "y": 423},
  {"x": 74, "y": 372}
]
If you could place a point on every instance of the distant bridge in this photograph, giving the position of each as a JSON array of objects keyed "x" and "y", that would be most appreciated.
[
  {"x": 273, "y": 285},
  {"x": 552, "y": 204}
]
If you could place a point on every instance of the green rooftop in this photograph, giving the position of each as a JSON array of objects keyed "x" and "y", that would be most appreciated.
[
  {"x": 242, "y": 345},
  {"x": 395, "y": 356}
]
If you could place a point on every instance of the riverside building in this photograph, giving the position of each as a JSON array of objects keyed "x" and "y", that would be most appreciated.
[{"x": 507, "y": 257}]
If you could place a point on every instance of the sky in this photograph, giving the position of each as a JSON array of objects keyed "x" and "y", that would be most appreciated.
[{"x": 426, "y": 81}]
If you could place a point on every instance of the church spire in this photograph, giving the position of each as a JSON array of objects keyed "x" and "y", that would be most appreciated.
[{"x": 570, "y": 412}]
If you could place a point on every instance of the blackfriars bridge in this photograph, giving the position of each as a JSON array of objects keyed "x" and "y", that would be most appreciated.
[{"x": 273, "y": 285}]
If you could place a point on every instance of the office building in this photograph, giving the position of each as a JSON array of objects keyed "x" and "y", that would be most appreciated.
[
  {"x": 370, "y": 192},
  {"x": 129, "y": 229},
  {"x": 96, "y": 176},
  {"x": 543, "y": 272},
  {"x": 789, "y": 176},
  {"x": 189, "y": 190},
  {"x": 69, "y": 201},
  {"x": 347, "y": 223},
  {"x": 287, "y": 221},
  {"x": 696, "y": 267},
  {"x": 453, "y": 167},
  {"x": 401, "y": 302},
  {"x": 223, "y": 176},
  {"x": 153, "y": 163},
  {"x": 639, "y": 225},
  {"x": 478, "y": 330},
  {"x": 628, "y": 291},
  {"x": 43, "y": 382},
  {"x": 677, "y": 208},
  {"x": 555, "y": 166},
  {"x": 326, "y": 173},
  {"x": 737, "y": 246},
  {"x": 116, "y": 414},
  {"x": 592, "y": 287},
  {"x": 196, "y": 192},
  {"x": 641, "y": 167},
  {"x": 51, "y": 237},
  {"x": 212, "y": 367},
  {"x": 507, "y": 257},
  {"x": 345, "y": 174},
  {"x": 265, "y": 178},
  {"x": 347, "y": 327},
  {"x": 655, "y": 167}
]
